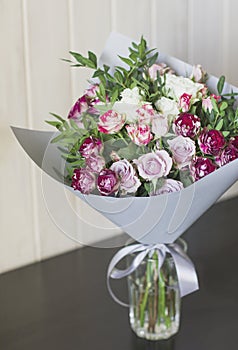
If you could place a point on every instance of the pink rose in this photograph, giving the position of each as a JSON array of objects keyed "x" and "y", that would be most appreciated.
[
  {"x": 139, "y": 134},
  {"x": 95, "y": 163},
  {"x": 145, "y": 113},
  {"x": 83, "y": 181},
  {"x": 183, "y": 150},
  {"x": 129, "y": 182},
  {"x": 162, "y": 68},
  {"x": 201, "y": 167},
  {"x": 169, "y": 186},
  {"x": 187, "y": 125},
  {"x": 154, "y": 165},
  {"x": 107, "y": 182},
  {"x": 184, "y": 102},
  {"x": 91, "y": 145},
  {"x": 229, "y": 154},
  {"x": 160, "y": 125},
  {"x": 211, "y": 142},
  {"x": 111, "y": 122}
]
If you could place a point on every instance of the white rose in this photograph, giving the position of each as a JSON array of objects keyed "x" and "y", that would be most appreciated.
[
  {"x": 131, "y": 96},
  {"x": 160, "y": 126},
  {"x": 167, "y": 107},
  {"x": 177, "y": 86}
]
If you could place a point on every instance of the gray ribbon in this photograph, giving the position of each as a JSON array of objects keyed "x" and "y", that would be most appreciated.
[{"x": 187, "y": 276}]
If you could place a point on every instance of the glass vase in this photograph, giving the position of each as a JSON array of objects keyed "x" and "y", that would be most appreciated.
[{"x": 154, "y": 298}]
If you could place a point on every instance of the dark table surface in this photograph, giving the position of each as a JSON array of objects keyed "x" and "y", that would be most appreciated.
[{"x": 63, "y": 303}]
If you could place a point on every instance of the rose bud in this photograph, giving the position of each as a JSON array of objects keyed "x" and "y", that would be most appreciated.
[
  {"x": 107, "y": 182},
  {"x": 211, "y": 142},
  {"x": 83, "y": 181},
  {"x": 187, "y": 125},
  {"x": 91, "y": 145},
  {"x": 184, "y": 102}
]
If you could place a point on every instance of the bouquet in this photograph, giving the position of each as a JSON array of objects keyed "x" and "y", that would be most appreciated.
[
  {"x": 143, "y": 130},
  {"x": 143, "y": 144}
]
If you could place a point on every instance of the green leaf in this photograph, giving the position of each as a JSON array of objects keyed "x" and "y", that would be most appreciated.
[
  {"x": 93, "y": 58},
  {"x": 114, "y": 96},
  {"x": 86, "y": 62},
  {"x": 57, "y": 117},
  {"x": 220, "y": 84},
  {"x": 223, "y": 106},
  {"x": 220, "y": 125},
  {"x": 225, "y": 133},
  {"x": 214, "y": 105},
  {"x": 127, "y": 61}
]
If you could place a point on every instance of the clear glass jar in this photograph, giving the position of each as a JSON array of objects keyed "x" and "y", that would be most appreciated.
[{"x": 154, "y": 298}]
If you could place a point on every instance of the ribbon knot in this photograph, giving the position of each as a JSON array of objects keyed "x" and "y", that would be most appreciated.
[{"x": 187, "y": 276}]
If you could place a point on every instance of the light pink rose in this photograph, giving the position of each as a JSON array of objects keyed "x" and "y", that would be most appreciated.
[
  {"x": 160, "y": 125},
  {"x": 183, "y": 150},
  {"x": 111, "y": 122},
  {"x": 95, "y": 163},
  {"x": 185, "y": 102},
  {"x": 198, "y": 74},
  {"x": 129, "y": 182},
  {"x": 154, "y": 165},
  {"x": 145, "y": 114},
  {"x": 207, "y": 104},
  {"x": 169, "y": 186},
  {"x": 139, "y": 134}
]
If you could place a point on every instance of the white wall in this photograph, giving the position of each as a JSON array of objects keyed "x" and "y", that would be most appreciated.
[{"x": 33, "y": 81}]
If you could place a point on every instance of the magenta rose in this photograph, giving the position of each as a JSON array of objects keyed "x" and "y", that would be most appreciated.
[
  {"x": 80, "y": 106},
  {"x": 184, "y": 102},
  {"x": 139, "y": 134},
  {"x": 154, "y": 165},
  {"x": 107, "y": 182},
  {"x": 201, "y": 167},
  {"x": 187, "y": 125},
  {"x": 83, "y": 181},
  {"x": 183, "y": 150},
  {"x": 169, "y": 186},
  {"x": 145, "y": 114},
  {"x": 91, "y": 145},
  {"x": 129, "y": 182},
  {"x": 229, "y": 154},
  {"x": 234, "y": 142},
  {"x": 91, "y": 91},
  {"x": 95, "y": 163},
  {"x": 111, "y": 122},
  {"x": 211, "y": 142}
]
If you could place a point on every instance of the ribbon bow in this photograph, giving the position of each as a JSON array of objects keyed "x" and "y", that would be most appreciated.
[{"x": 187, "y": 276}]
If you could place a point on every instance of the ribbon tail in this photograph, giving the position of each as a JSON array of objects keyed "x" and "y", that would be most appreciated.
[{"x": 187, "y": 276}]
